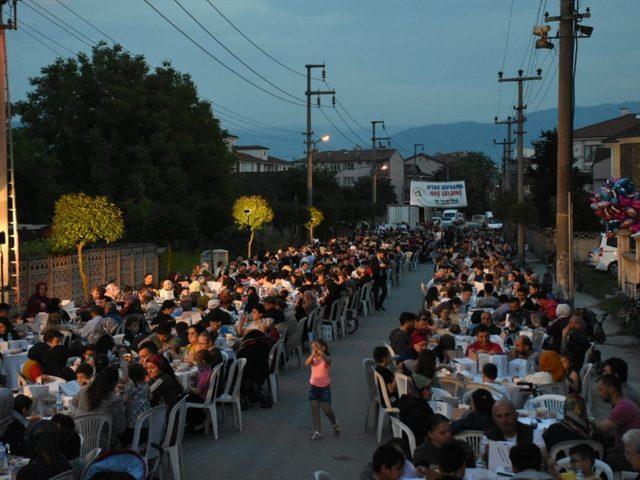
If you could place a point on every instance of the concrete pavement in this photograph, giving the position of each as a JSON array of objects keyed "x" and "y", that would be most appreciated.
[{"x": 274, "y": 443}]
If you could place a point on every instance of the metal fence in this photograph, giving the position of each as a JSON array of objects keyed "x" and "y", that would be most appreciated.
[{"x": 124, "y": 264}]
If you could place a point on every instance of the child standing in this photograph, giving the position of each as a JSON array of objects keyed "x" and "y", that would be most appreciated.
[{"x": 320, "y": 388}]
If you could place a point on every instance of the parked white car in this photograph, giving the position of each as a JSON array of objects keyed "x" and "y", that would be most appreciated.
[{"x": 608, "y": 254}]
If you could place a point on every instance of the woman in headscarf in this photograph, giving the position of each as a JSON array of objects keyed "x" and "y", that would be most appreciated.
[
  {"x": 11, "y": 424},
  {"x": 252, "y": 300},
  {"x": 550, "y": 369},
  {"x": 32, "y": 368},
  {"x": 38, "y": 302},
  {"x": 47, "y": 460},
  {"x": 574, "y": 426},
  {"x": 307, "y": 303},
  {"x": 55, "y": 364}
]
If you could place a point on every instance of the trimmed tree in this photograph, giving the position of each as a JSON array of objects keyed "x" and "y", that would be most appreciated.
[
  {"x": 315, "y": 218},
  {"x": 81, "y": 220},
  {"x": 251, "y": 212}
]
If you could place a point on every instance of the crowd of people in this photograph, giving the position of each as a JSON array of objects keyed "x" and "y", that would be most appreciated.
[
  {"x": 481, "y": 308},
  {"x": 123, "y": 346}
]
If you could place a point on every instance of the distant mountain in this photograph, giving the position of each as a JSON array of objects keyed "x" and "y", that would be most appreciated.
[{"x": 446, "y": 137}]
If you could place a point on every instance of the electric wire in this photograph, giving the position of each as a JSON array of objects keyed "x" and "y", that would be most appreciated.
[
  {"x": 49, "y": 47},
  {"x": 78, "y": 34},
  {"x": 217, "y": 60},
  {"x": 262, "y": 50},
  {"x": 25, "y": 24},
  {"x": 230, "y": 52},
  {"x": 85, "y": 21},
  {"x": 251, "y": 130},
  {"x": 350, "y": 140},
  {"x": 241, "y": 117},
  {"x": 349, "y": 127}
]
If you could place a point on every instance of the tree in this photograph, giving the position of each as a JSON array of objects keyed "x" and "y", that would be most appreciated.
[
  {"x": 479, "y": 173},
  {"x": 108, "y": 122},
  {"x": 251, "y": 212},
  {"x": 315, "y": 219},
  {"x": 542, "y": 176},
  {"x": 81, "y": 220}
]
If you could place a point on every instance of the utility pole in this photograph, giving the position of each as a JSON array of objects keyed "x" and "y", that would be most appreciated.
[
  {"x": 520, "y": 108},
  {"x": 8, "y": 231},
  {"x": 508, "y": 150},
  {"x": 374, "y": 167},
  {"x": 567, "y": 35},
  {"x": 309, "y": 133},
  {"x": 415, "y": 165},
  {"x": 505, "y": 146}
]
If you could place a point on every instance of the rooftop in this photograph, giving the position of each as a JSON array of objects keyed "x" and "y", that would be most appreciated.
[
  {"x": 251, "y": 147},
  {"x": 250, "y": 158},
  {"x": 609, "y": 128},
  {"x": 357, "y": 155}
]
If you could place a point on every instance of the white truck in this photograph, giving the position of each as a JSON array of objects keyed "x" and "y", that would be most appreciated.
[{"x": 403, "y": 214}]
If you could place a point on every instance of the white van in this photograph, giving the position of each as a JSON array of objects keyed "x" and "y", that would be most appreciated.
[
  {"x": 449, "y": 217},
  {"x": 607, "y": 256}
]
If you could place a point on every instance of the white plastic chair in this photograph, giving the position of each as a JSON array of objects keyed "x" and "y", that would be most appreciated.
[
  {"x": 68, "y": 475},
  {"x": 555, "y": 388},
  {"x": 599, "y": 467},
  {"x": 172, "y": 443},
  {"x": 322, "y": 475},
  {"x": 389, "y": 348},
  {"x": 588, "y": 353},
  {"x": 369, "y": 365},
  {"x": 276, "y": 355},
  {"x": 365, "y": 300},
  {"x": 89, "y": 458},
  {"x": 385, "y": 410},
  {"x": 154, "y": 418},
  {"x": 585, "y": 378},
  {"x": 231, "y": 394},
  {"x": 553, "y": 403},
  {"x": 95, "y": 429},
  {"x": 294, "y": 341},
  {"x": 118, "y": 339},
  {"x": 399, "y": 428},
  {"x": 452, "y": 385},
  {"x": 472, "y": 387},
  {"x": 402, "y": 382},
  {"x": 352, "y": 307},
  {"x": 209, "y": 404},
  {"x": 564, "y": 447},
  {"x": 473, "y": 438}
]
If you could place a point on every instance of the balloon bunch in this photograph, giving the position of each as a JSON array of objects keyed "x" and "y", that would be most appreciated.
[{"x": 617, "y": 203}]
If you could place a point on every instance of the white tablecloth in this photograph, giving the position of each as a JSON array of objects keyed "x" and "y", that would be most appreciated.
[
  {"x": 184, "y": 376},
  {"x": 11, "y": 365}
]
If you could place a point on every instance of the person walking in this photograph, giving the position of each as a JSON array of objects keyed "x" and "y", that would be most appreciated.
[{"x": 320, "y": 388}]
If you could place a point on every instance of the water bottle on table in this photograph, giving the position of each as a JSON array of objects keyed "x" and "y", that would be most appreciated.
[{"x": 59, "y": 402}]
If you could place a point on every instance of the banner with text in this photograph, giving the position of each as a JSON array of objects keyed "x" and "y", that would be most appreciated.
[{"x": 439, "y": 194}]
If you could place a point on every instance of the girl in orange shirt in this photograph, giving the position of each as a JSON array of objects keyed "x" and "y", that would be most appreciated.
[{"x": 320, "y": 388}]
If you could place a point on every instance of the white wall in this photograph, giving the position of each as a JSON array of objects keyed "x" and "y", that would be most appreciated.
[{"x": 261, "y": 153}]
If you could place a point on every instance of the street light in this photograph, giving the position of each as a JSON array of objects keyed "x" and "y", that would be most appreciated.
[{"x": 325, "y": 138}]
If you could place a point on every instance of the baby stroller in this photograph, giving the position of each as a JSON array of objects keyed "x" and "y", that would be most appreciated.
[{"x": 117, "y": 465}]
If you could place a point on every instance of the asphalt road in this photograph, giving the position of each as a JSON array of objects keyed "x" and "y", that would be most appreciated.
[{"x": 274, "y": 443}]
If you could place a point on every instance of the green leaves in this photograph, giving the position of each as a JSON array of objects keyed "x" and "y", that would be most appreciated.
[
  {"x": 81, "y": 220},
  {"x": 252, "y": 212},
  {"x": 315, "y": 218}
]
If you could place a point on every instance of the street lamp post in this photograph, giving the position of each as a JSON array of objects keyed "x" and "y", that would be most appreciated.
[{"x": 374, "y": 188}]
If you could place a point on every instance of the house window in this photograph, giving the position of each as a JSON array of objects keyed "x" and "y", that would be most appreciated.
[
  {"x": 334, "y": 167},
  {"x": 348, "y": 181}
]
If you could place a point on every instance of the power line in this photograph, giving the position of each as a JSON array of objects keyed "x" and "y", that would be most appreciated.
[
  {"x": 253, "y": 131},
  {"x": 85, "y": 21},
  {"x": 90, "y": 40},
  {"x": 336, "y": 127},
  {"x": 25, "y": 24},
  {"x": 217, "y": 60},
  {"x": 262, "y": 50},
  {"x": 49, "y": 47},
  {"x": 348, "y": 126},
  {"x": 59, "y": 26},
  {"x": 185, "y": 10},
  {"x": 228, "y": 111}
]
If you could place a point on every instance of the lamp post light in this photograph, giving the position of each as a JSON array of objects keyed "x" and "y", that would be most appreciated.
[{"x": 374, "y": 187}]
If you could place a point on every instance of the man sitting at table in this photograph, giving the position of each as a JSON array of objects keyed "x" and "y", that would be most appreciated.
[
  {"x": 523, "y": 349},
  {"x": 489, "y": 376},
  {"x": 400, "y": 338},
  {"x": 631, "y": 440},
  {"x": 164, "y": 315},
  {"x": 624, "y": 415},
  {"x": 272, "y": 312},
  {"x": 383, "y": 359},
  {"x": 95, "y": 314},
  {"x": 517, "y": 312},
  {"x": 483, "y": 344},
  {"x": 451, "y": 461},
  {"x": 526, "y": 462},
  {"x": 509, "y": 429},
  {"x": 485, "y": 319},
  {"x": 620, "y": 369},
  {"x": 418, "y": 344}
]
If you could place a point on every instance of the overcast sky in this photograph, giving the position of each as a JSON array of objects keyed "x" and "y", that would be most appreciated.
[{"x": 409, "y": 62}]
